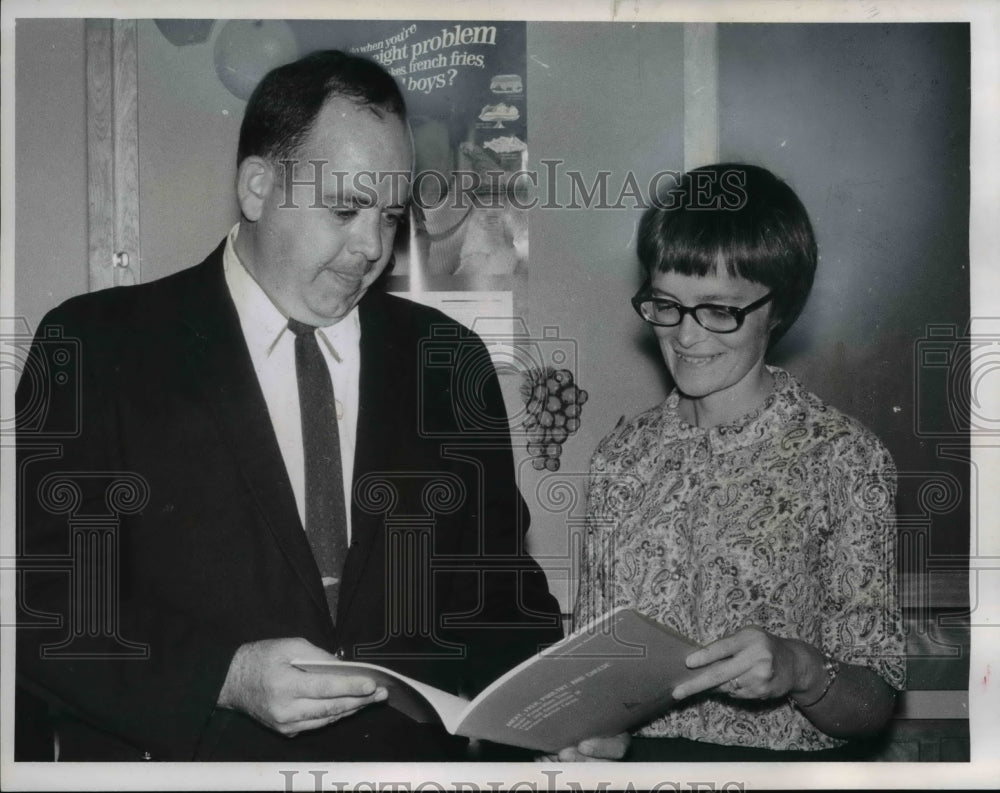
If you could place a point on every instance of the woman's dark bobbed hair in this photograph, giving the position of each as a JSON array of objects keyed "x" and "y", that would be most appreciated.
[{"x": 739, "y": 217}]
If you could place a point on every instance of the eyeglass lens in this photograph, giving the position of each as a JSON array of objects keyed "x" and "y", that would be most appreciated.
[{"x": 709, "y": 317}]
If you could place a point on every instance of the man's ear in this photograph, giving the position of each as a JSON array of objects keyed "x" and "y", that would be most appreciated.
[{"x": 254, "y": 182}]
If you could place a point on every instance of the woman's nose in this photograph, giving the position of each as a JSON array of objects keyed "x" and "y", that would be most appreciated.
[{"x": 689, "y": 331}]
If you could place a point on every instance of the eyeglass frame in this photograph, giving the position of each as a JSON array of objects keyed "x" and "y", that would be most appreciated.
[{"x": 739, "y": 314}]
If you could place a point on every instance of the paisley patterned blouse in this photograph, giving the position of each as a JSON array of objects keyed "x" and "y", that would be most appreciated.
[{"x": 784, "y": 519}]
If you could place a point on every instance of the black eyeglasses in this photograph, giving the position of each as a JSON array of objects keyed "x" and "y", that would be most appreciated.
[{"x": 713, "y": 317}]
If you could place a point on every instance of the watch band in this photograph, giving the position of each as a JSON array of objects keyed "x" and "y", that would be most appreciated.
[{"x": 832, "y": 668}]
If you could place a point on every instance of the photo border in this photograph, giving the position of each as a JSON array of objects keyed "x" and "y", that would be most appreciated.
[{"x": 984, "y": 690}]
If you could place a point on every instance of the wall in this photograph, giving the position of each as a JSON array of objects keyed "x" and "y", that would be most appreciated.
[
  {"x": 50, "y": 169},
  {"x": 600, "y": 97},
  {"x": 188, "y": 128},
  {"x": 870, "y": 125}
]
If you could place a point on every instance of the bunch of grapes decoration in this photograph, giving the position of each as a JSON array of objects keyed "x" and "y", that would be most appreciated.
[{"x": 553, "y": 403}]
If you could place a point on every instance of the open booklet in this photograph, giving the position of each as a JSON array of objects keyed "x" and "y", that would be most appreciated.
[{"x": 611, "y": 675}]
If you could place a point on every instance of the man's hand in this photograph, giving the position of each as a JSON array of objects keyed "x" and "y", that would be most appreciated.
[
  {"x": 262, "y": 683},
  {"x": 592, "y": 750}
]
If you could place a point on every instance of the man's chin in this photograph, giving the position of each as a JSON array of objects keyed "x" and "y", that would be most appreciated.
[{"x": 332, "y": 312}]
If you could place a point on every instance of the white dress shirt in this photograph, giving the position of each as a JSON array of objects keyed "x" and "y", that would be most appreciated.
[{"x": 272, "y": 349}]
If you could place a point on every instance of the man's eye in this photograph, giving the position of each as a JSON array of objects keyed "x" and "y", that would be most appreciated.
[
  {"x": 345, "y": 214},
  {"x": 392, "y": 219}
]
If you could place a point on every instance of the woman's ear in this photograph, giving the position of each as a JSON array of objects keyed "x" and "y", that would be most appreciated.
[
  {"x": 254, "y": 182},
  {"x": 774, "y": 320}
]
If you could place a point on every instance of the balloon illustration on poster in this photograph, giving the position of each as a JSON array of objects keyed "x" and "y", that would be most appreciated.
[{"x": 247, "y": 49}]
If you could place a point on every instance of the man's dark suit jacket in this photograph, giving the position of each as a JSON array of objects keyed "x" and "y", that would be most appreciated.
[{"x": 164, "y": 534}]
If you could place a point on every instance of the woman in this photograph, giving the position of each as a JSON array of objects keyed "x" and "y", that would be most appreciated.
[{"x": 743, "y": 511}]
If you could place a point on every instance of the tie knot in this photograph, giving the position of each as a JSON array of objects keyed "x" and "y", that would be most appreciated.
[{"x": 300, "y": 328}]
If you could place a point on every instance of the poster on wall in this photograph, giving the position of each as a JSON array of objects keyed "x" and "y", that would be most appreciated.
[{"x": 466, "y": 245}]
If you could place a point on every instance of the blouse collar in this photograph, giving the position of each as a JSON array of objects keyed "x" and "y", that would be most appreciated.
[{"x": 765, "y": 421}]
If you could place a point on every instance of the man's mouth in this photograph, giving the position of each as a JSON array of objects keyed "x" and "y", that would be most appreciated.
[{"x": 351, "y": 274}]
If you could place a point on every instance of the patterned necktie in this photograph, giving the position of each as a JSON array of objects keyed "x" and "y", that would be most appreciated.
[{"x": 326, "y": 512}]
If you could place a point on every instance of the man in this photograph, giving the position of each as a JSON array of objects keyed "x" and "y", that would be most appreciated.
[{"x": 197, "y": 394}]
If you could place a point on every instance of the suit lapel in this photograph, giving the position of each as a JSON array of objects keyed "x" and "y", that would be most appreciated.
[{"x": 221, "y": 375}]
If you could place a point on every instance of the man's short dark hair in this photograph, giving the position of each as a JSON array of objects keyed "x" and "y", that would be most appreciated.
[
  {"x": 739, "y": 217},
  {"x": 284, "y": 105}
]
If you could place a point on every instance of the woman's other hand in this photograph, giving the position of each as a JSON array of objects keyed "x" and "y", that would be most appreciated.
[
  {"x": 592, "y": 750},
  {"x": 754, "y": 664}
]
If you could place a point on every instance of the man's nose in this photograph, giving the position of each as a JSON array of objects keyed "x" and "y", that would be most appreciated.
[{"x": 366, "y": 238}]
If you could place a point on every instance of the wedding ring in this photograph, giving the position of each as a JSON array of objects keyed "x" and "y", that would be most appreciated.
[{"x": 735, "y": 684}]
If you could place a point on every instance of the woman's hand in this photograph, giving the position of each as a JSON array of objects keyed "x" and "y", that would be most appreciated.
[
  {"x": 591, "y": 750},
  {"x": 754, "y": 664}
]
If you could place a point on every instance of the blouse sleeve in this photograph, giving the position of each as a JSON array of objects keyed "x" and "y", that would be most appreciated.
[
  {"x": 592, "y": 597},
  {"x": 861, "y": 616},
  {"x": 612, "y": 492}
]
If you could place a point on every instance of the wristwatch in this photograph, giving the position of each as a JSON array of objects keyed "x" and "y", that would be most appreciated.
[{"x": 832, "y": 668}]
